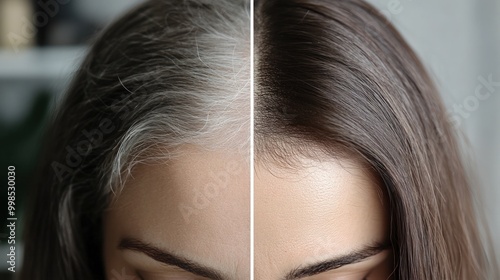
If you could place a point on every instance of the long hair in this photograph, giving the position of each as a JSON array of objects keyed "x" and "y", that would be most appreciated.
[
  {"x": 165, "y": 74},
  {"x": 337, "y": 77}
]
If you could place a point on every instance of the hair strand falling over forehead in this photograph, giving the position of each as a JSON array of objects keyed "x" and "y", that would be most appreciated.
[{"x": 168, "y": 73}]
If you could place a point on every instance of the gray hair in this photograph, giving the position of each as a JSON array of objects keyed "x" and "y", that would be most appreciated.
[
  {"x": 195, "y": 85},
  {"x": 168, "y": 73}
]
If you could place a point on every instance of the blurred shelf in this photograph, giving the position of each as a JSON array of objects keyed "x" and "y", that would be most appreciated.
[{"x": 39, "y": 65}]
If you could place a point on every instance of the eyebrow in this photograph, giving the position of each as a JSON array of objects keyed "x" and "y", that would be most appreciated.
[
  {"x": 170, "y": 259},
  {"x": 337, "y": 262}
]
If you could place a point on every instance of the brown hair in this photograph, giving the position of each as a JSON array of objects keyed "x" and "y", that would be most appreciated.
[{"x": 337, "y": 76}]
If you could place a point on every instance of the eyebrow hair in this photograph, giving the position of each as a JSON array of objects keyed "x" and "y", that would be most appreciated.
[
  {"x": 170, "y": 259},
  {"x": 337, "y": 262}
]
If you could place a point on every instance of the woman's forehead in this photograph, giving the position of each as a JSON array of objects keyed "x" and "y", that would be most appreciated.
[
  {"x": 319, "y": 210},
  {"x": 196, "y": 205}
]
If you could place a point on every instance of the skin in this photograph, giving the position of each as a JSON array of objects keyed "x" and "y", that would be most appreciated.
[
  {"x": 316, "y": 211},
  {"x": 196, "y": 207}
]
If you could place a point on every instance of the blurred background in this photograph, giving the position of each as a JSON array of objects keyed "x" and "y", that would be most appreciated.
[{"x": 42, "y": 42}]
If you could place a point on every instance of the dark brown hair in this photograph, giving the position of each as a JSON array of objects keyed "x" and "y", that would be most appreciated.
[{"x": 336, "y": 75}]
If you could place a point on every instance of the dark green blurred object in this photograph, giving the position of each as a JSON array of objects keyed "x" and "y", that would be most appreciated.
[{"x": 20, "y": 147}]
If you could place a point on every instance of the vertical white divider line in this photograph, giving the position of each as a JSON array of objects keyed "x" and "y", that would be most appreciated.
[{"x": 252, "y": 139}]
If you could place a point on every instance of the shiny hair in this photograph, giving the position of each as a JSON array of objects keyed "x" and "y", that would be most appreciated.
[
  {"x": 167, "y": 73},
  {"x": 338, "y": 78}
]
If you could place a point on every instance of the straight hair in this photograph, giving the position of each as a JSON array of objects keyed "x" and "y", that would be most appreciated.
[{"x": 337, "y": 77}]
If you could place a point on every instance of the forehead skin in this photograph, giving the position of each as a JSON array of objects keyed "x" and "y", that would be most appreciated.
[
  {"x": 313, "y": 212},
  {"x": 196, "y": 206}
]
